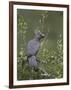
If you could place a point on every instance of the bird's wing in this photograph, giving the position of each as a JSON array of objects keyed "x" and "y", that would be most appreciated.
[{"x": 32, "y": 47}]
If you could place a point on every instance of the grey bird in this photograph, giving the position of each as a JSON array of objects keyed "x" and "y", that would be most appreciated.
[{"x": 33, "y": 48}]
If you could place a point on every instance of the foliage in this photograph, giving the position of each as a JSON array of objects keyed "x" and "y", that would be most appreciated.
[{"x": 50, "y": 55}]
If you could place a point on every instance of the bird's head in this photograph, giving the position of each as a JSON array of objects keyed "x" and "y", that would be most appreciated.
[{"x": 39, "y": 35}]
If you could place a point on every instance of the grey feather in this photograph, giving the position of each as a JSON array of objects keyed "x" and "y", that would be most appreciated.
[{"x": 33, "y": 48}]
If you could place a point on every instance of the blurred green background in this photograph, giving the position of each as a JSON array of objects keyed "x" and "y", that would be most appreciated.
[{"x": 50, "y": 55}]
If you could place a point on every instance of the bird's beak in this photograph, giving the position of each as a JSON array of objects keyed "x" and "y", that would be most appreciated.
[{"x": 42, "y": 35}]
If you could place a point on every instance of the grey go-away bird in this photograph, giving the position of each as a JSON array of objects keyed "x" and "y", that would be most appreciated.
[{"x": 33, "y": 48}]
